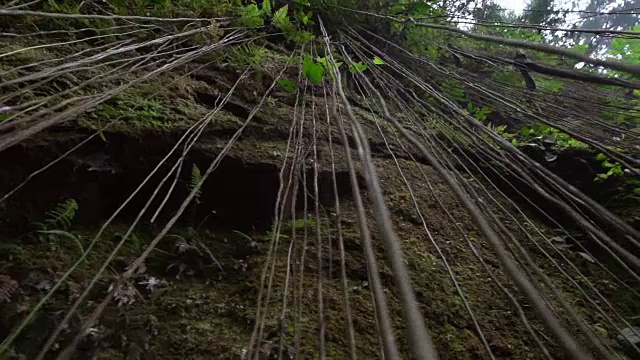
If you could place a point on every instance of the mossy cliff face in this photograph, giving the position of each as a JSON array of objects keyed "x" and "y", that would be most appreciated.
[{"x": 196, "y": 297}]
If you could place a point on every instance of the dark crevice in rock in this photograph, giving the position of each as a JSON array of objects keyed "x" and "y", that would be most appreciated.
[
  {"x": 211, "y": 100},
  {"x": 326, "y": 193},
  {"x": 100, "y": 176}
]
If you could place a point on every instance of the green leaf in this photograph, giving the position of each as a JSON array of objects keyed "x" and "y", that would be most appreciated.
[
  {"x": 61, "y": 215},
  {"x": 309, "y": 15},
  {"x": 325, "y": 62},
  {"x": 313, "y": 71},
  {"x": 288, "y": 85},
  {"x": 432, "y": 52},
  {"x": 378, "y": 61},
  {"x": 328, "y": 66},
  {"x": 540, "y": 129},
  {"x": 358, "y": 67},
  {"x": 601, "y": 157},
  {"x": 421, "y": 9},
  {"x": 304, "y": 18},
  {"x": 196, "y": 178},
  {"x": 636, "y": 191},
  {"x": 397, "y": 9}
]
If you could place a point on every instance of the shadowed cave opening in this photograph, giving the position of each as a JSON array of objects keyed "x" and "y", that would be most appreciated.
[{"x": 100, "y": 177}]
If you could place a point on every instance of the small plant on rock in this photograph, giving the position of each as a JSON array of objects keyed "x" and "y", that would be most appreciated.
[
  {"x": 57, "y": 223},
  {"x": 191, "y": 257}
]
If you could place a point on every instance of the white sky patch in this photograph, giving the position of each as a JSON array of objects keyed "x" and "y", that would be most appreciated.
[
  {"x": 518, "y": 5},
  {"x": 515, "y": 5}
]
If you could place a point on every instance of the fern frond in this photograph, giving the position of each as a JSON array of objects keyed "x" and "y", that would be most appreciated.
[
  {"x": 196, "y": 177},
  {"x": 246, "y": 55},
  {"x": 250, "y": 16},
  {"x": 266, "y": 7},
  {"x": 61, "y": 215},
  {"x": 7, "y": 287},
  {"x": 281, "y": 17}
]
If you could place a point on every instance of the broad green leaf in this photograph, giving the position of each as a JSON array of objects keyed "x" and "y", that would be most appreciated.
[
  {"x": 325, "y": 62},
  {"x": 636, "y": 191},
  {"x": 378, "y": 61},
  {"x": 601, "y": 157},
  {"x": 358, "y": 67},
  {"x": 288, "y": 85},
  {"x": 313, "y": 71}
]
